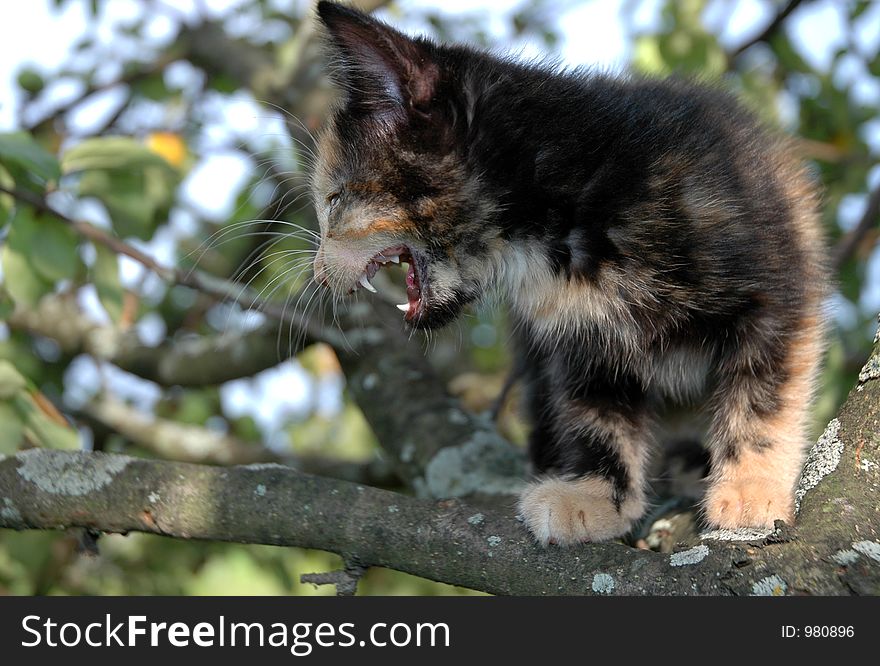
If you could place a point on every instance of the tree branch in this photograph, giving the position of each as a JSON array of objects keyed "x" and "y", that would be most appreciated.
[
  {"x": 208, "y": 360},
  {"x": 131, "y": 77},
  {"x": 345, "y": 580},
  {"x": 439, "y": 449},
  {"x": 442, "y": 450},
  {"x": 218, "y": 289},
  {"x": 181, "y": 442},
  {"x": 187, "y": 361},
  {"x": 290, "y": 86},
  {"x": 834, "y": 549},
  {"x": 850, "y": 243},
  {"x": 833, "y": 552},
  {"x": 767, "y": 33},
  {"x": 174, "y": 440}
]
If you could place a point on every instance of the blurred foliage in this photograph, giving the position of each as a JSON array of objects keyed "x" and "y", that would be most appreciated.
[{"x": 121, "y": 135}]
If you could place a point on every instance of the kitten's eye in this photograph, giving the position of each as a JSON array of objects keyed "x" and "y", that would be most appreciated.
[{"x": 332, "y": 200}]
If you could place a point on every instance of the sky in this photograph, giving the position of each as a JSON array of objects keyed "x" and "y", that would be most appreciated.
[{"x": 593, "y": 33}]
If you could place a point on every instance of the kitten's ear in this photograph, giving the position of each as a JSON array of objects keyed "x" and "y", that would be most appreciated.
[{"x": 384, "y": 71}]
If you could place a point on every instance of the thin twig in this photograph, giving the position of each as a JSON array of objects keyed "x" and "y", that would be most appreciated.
[
  {"x": 849, "y": 244},
  {"x": 768, "y": 31},
  {"x": 345, "y": 580},
  {"x": 217, "y": 288},
  {"x": 92, "y": 89}
]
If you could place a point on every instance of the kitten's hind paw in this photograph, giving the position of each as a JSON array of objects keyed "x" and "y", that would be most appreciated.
[
  {"x": 748, "y": 502},
  {"x": 564, "y": 512}
]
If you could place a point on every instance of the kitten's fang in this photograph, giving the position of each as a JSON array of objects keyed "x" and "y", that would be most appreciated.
[{"x": 400, "y": 254}]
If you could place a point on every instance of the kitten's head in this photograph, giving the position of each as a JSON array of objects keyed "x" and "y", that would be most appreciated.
[{"x": 392, "y": 183}]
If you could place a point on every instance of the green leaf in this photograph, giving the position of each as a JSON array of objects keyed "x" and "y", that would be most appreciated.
[
  {"x": 21, "y": 279},
  {"x": 153, "y": 87},
  {"x": 123, "y": 194},
  {"x": 111, "y": 153},
  {"x": 789, "y": 58},
  {"x": 874, "y": 66},
  {"x": 858, "y": 8},
  {"x": 246, "y": 429},
  {"x": 223, "y": 83},
  {"x": 83, "y": 44},
  {"x": 11, "y": 380},
  {"x": 19, "y": 149},
  {"x": 235, "y": 572},
  {"x": 6, "y": 201},
  {"x": 18, "y": 350},
  {"x": 135, "y": 184},
  {"x": 31, "y": 81},
  {"x": 39, "y": 252},
  {"x": 647, "y": 57},
  {"x": 55, "y": 256},
  {"x": 105, "y": 274},
  {"x": 42, "y": 428},
  {"x": 11, "y": 430},
  {"x": 23, "y": 284},
  {"x": 7, "y": 305}
]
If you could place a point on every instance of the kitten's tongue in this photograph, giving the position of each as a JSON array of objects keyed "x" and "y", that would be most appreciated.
[{"x": 413, "y": 291}]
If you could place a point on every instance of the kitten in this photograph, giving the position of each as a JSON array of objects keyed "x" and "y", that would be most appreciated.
[{"x": 653, "y": 242}]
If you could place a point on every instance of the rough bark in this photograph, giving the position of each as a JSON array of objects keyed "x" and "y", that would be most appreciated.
[
  {"x": 833, "y": 549},
  {"x": 441, "y": 449}
]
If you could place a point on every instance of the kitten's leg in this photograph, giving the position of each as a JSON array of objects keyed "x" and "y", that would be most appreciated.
[
  {"x": 593, "y": 450},
  {"x": 758, "y": 437}
]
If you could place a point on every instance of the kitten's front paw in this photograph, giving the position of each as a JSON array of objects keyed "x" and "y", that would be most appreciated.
[
  {"x": 748, "y": 502},
  {"x": 570, "y": 512}
]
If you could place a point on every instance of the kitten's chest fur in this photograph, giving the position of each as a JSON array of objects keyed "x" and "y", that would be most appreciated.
[{"x": 612, "y": 322}]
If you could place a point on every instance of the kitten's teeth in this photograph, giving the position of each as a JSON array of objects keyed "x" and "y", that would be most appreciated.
[
  {"x": 365, "y": 283},
  {"x": 395, "y": 259},
  {"x": 403, "y": 307}
]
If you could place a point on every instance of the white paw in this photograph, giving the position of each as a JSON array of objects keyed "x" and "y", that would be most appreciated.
[{"x": 577, "y": 511}]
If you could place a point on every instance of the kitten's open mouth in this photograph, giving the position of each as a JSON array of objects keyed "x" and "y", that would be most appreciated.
[{"x": 399, "y": 254}]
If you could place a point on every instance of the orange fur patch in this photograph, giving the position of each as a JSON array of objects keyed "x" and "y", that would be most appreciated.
[
  {"x": 756, "y": 487},
  {"x": 387, "y": 225}
]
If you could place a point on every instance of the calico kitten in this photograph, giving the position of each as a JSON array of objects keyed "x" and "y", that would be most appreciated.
[{"x": 652, "y": 240}]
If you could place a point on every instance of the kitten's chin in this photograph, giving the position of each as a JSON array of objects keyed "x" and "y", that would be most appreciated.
[
  {"x": 428, "y": 315},
  {"x": 435, "y": 310}
]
